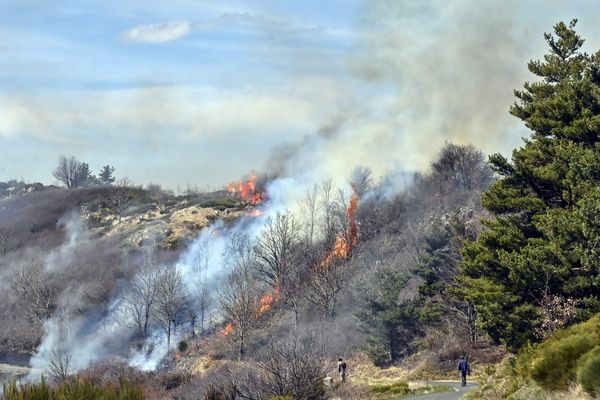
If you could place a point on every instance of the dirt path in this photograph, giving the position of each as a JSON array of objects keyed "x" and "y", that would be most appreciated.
[{"x": 456, "y": 394}]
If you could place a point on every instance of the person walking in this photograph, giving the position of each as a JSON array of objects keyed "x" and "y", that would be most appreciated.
[
  {"x": 464, "y": 369},
  {"x": 342, "y": 370}
]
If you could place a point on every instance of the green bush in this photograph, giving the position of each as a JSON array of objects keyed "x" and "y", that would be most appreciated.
[
  {"x": 554, "y": 367},
  {"x": 75, "y": 389},
  {"x": 289, "y": 397},
  {"x": 393, "y": 388},
  {"x": 554, "y": 363},
  {"x": 588, "y": 374}
]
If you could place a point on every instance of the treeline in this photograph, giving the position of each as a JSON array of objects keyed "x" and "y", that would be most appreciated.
[{"x": 74, "y": 173}]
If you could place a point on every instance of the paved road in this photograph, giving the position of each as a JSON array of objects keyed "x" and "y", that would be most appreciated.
[{"x": 456, "y": 394}]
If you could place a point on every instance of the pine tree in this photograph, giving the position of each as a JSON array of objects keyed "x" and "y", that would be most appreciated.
[
  {"x": 546, "y": 235},
  {"x": 389, "y": 321},
  {"x": 106, "y": 175}
]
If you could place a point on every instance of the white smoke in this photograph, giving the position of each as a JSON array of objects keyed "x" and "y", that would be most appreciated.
[
  {"x": 76, "y": 233},
  {"x": 100, "y": 334}
]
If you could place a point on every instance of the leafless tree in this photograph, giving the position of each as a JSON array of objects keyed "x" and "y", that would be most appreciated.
[
  {"x": 171, "y": 299},
  {"x": 462, "y": 167},
  {"x": 327, "y": 207},
  {"x": 239, "y": 299},
  {"x": 37, "y": 293},
  {"x": 295, "y": 368},
  {"x": 124, "y": 182},
  {"x": 277, "y": 252},
  {"x": 275, "y": 248},
  {"x": 201, "y": 297},
  {"x": 71, "y": 172},
  {"x": 59, "y": 365},
  {"x": 4, "y": 238},
  {"x": 118, "y": 200},
  {"x": 139, "y": 300},
  {"x": 310, "y": 208},
  {"x": 324, "y": 287},
  {"x": 361, "y": 180}
]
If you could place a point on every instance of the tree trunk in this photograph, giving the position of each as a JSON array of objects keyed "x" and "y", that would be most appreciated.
[
  {"x": 169, "y": 335},
  {"x": 241, "y": 349}
]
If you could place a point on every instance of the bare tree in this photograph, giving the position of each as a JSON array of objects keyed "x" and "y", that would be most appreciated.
[
  {"x": 239, "y": 299},
  {"x": 36, "y": 292},
  {"x": 118, "y": 200},
  {"x": 59, "y": 365},
  {"x": 124, "y": 182},
  {"x": 310, "y": 208},
  {"x": 171, "y": 299},
  {"x": 71, "y": 172},
  {"x": 201, "y": 297},
  {"x": 275, "y": 249},
  {"x": 4, "y": 238},
  {"x": 361, "y": 180},
  {"x": 138, "y": 303},
  {"x": 324, "y": 287},
  {"x": 327, "y": 208},
  {"x": 462, "y": 167},
  {"x": 295, "y": 368},
  {"x": 277, "y": 253}
]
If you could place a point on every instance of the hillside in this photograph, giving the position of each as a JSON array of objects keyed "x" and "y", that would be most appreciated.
[
  {"x": 293, "y": 285},
  {"x": 56, "y": 232}
]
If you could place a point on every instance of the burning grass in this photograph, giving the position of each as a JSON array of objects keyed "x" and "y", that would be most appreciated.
[{"x": 248, "y": 190}]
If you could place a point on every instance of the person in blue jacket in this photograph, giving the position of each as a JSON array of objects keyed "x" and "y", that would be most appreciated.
[{"x": 465, "y": 369}]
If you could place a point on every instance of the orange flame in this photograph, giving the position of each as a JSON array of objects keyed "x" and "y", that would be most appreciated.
[
  {"x": 266, "y": 302},
  {"x": 246, "y": 191},
  {"x": 255, "y": 213},
  {"x": 344, "y": 244},
  {"x": 227, "y": 330}
]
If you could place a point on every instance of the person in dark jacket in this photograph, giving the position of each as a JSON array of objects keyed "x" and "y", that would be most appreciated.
[
  {"x": 465, "y": 369},
  {"x": 342, "y": 370}
]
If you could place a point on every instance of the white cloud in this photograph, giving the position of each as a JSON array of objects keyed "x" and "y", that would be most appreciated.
[
  {"x": 158, "y": 33},
  {"x": 187, "y": 113},
  {"x": 171, "y": 31}
]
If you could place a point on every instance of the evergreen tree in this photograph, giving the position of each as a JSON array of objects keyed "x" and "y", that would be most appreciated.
[
  {"x": 545, "y": 237},
  {"x": 106, "y": 175},
  {"x": 389, "y": 321}
]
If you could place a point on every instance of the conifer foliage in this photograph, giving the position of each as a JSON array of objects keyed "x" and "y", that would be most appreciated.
[{"x": 545, "y": 237}]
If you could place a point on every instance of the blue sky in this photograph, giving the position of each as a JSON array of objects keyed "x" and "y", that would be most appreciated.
[{"x": 201, "y": 92}]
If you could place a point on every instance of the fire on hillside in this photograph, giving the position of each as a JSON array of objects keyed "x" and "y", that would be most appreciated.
[
  {"x": 346, "y": 242},
  {"x": 248, "y": 190}
]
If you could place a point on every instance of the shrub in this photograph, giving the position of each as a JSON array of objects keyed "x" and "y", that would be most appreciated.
[
  {"x": 219, "y": 393},
  {"x": 588, "y": 374},
  {"x": 182, "y": 346},
  {"x": 71, "y": 390},
  {"x": 554, "y": 362},
  {"x": 554, "y": 367},
  {"x": 393, "y": 388}
]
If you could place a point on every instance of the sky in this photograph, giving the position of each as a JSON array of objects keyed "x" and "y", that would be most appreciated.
[{"x": 195, "y": 92}]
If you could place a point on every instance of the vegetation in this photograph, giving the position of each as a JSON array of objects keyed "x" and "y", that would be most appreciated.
[
  {"x": 71, "y": 390},
  {"x": 567, "y": 358},
  {"x": 542, "y": 240}
]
